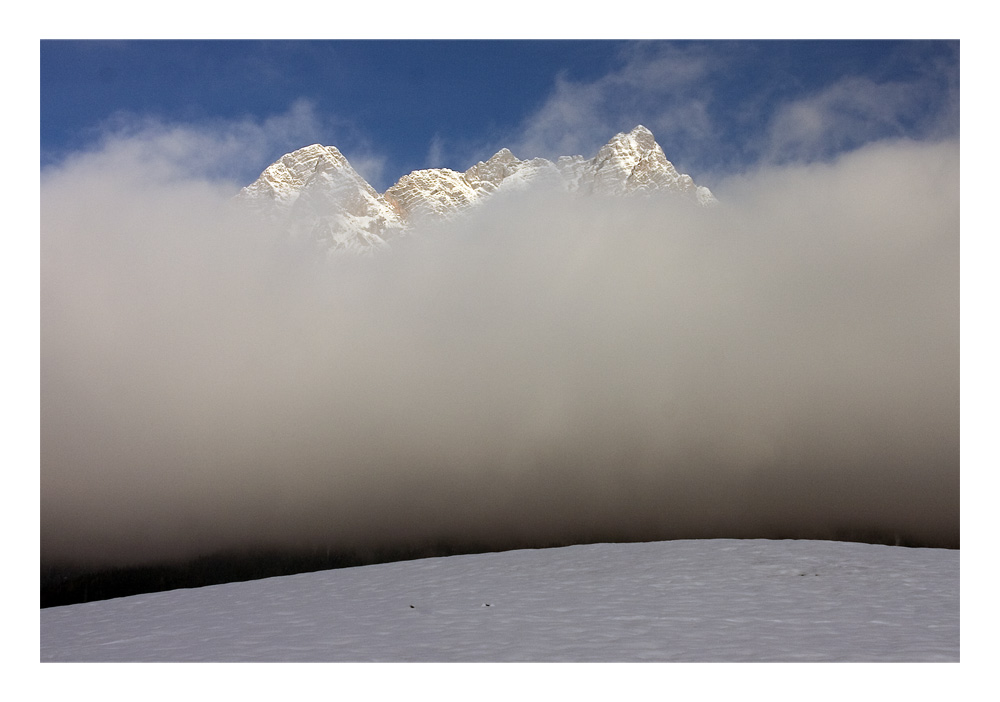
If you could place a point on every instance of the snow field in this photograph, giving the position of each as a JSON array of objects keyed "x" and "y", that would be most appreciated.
[{"x": 681, "y": 601}]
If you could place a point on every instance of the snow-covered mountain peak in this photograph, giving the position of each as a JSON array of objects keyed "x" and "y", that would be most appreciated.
[
  {"x": 639, "y": 139},
  {"x": 283, "y": 179},
  {"x": 504, "y": 155},
  {"x": 501, "y": 158},
  {"x": 314, "y": 191},
  {"x": 493, "y": 171},
  {"x": 429, "y": 193},
  {"x": 634, "y": 162},
  {"x": 628, "y": 148}
]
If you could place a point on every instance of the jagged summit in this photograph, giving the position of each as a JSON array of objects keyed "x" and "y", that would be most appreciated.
[
  {"x": 433, "y": 192},
  {"x": 487, "y": 176},
  {"x": 315, "y": 192},
  {"x": 283, "y": 180},
  {"x": 634, "y": 163}
]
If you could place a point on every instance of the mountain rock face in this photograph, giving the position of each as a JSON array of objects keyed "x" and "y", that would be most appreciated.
[{"x": 315, "y": 193}]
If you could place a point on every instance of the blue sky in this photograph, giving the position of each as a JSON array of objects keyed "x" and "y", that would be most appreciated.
[{"x": 716, "y": 107}]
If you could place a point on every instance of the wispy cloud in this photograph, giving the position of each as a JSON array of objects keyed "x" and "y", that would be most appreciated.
[
  {"x": 721, "y": 107},
  {"x": 847, "y": 114},
  {"x": 662, "y": 86},
  {"x": 236, "y": 150},
  {"x": 436, "y": 152}
]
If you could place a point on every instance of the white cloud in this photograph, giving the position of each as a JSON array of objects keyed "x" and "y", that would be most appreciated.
[
  {"x": 546, "y": 371},
  {"x": 436, "y": 153},
  {"x": 663, "y": 87},
  {"x": 235, "y": 151},
  {"x": 708, "y": 126},
  {"x": 842, "y": 116}
]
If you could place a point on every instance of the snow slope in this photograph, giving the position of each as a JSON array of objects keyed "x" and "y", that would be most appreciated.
[{"x": 696, "y": 600}]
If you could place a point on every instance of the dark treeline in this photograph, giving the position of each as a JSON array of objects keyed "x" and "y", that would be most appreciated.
[{"x": 61, "y": 585}]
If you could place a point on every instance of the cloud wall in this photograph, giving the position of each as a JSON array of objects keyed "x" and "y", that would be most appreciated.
[{"x": 547, "y": 370}]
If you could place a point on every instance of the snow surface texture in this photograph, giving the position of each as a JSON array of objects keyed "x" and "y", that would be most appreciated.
[
  {"x": 697, "y": 600},
  {"x": 314, "y": 192}
]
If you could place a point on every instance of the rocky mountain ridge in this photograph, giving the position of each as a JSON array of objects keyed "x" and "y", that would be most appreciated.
[{"x": 314, "y": 192}]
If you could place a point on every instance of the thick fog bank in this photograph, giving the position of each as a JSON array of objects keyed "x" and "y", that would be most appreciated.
[{"x": 547, "y": 370}]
